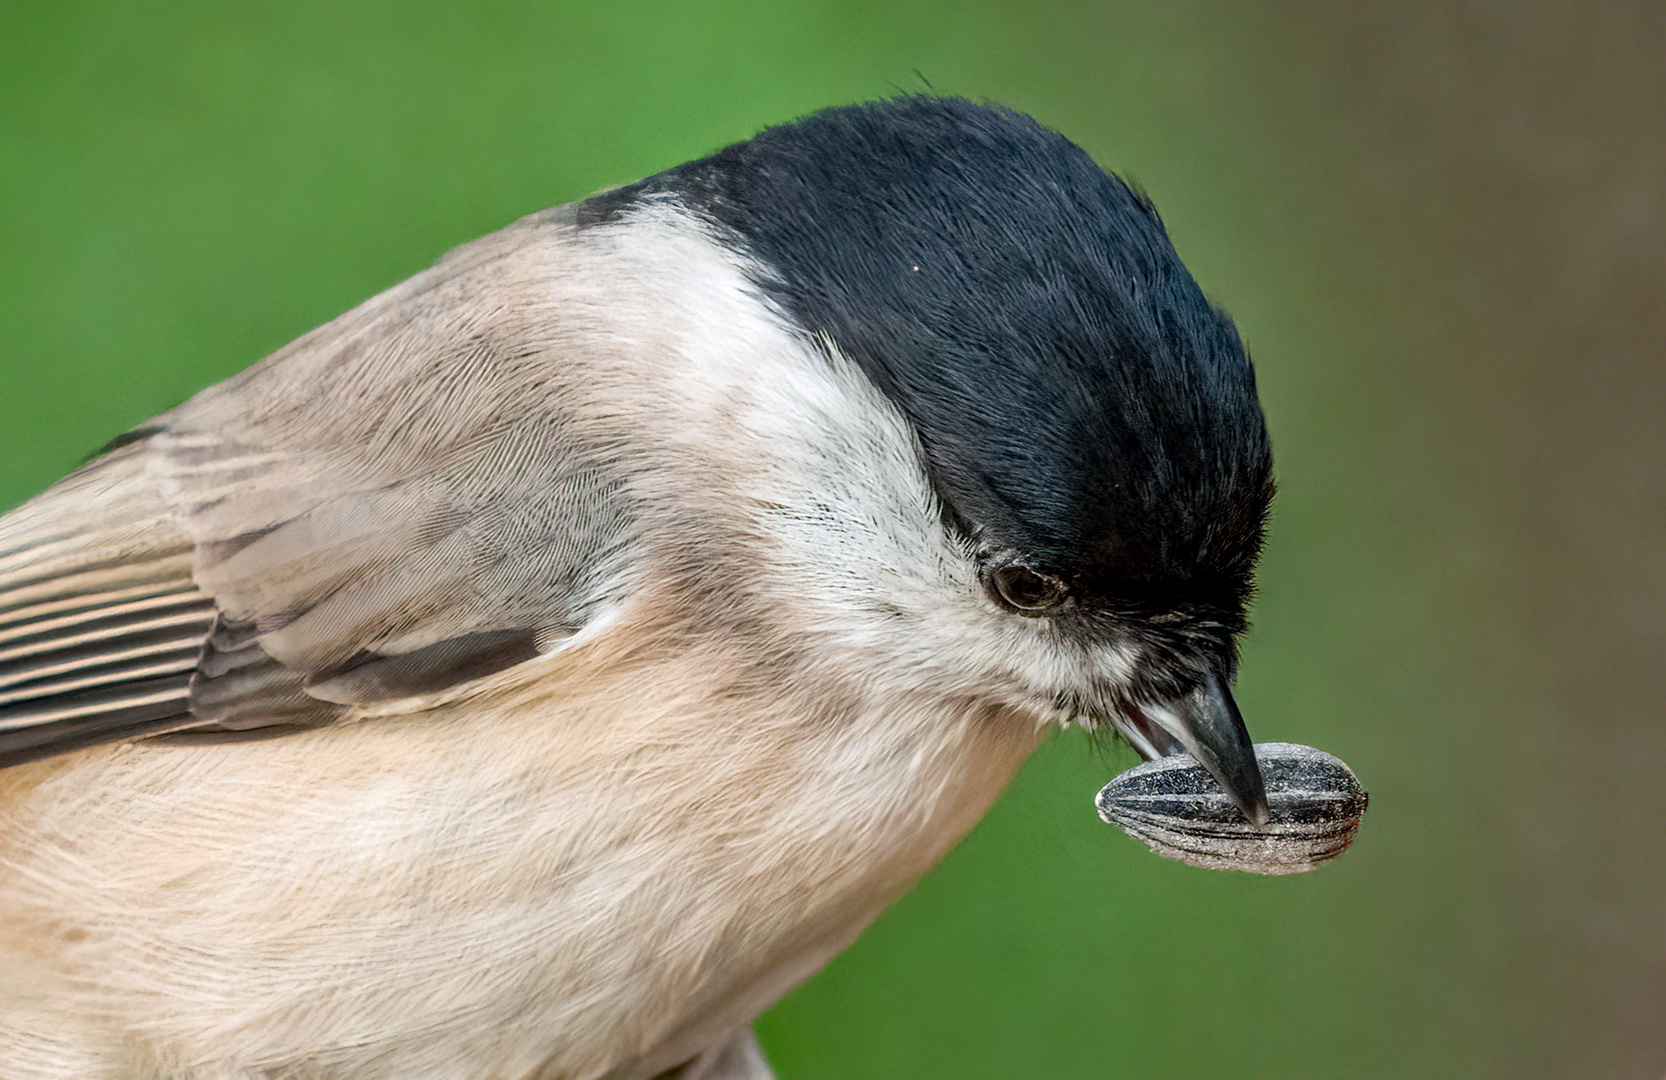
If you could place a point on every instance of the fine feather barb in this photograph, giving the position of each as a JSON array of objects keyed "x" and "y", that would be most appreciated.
[{"x": 401, "y": 502}]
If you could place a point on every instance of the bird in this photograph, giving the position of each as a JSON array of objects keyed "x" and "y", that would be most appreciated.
[{"x": 541, "y": 668}]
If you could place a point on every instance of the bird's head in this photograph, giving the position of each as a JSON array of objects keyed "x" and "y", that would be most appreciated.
[{"x": 1085, "y": 421}]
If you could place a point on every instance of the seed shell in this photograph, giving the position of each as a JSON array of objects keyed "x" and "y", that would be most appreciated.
[{"x": 1177, "y": 809}]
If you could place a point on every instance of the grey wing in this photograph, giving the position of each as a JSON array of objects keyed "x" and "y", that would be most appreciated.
[{"x": 402, "y": 501}]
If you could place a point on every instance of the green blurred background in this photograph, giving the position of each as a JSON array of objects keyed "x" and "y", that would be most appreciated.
[{"x": 1442, "y": 228}]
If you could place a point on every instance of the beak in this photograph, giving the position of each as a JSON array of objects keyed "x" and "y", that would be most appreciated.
[{"x": 1207, "y": 723}]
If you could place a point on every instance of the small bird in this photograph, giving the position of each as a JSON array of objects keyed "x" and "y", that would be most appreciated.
[{"x": 542, "y": 667}]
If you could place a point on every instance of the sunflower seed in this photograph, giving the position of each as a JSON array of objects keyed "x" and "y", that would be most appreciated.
[{"x": 1176, "y": 808}]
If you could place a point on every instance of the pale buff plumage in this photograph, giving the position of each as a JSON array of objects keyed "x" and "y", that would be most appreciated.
[{"x": 593, "y": 864}]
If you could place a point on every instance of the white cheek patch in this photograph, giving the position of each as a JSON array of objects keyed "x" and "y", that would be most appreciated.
[{"x": 826, "y": 475}]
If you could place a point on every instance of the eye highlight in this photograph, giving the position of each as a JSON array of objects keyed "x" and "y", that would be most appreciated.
[{"x": 1018, "y": 588}]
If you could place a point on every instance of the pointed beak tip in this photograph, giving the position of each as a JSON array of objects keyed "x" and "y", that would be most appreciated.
[
  {"x": 1245, "y": 786},
  {"x": 1207, "y": 723}
]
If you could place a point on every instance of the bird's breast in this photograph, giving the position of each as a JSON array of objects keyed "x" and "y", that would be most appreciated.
[{"x": 605, "y": 868}]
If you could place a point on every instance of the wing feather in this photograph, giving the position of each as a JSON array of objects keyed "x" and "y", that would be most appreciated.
[
  {"x": 100, "y": 627},
  {"x": 403, "y": 501}
]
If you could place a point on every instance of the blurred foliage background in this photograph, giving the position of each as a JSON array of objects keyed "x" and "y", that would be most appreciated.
[{"x": 1442, "y": 228}]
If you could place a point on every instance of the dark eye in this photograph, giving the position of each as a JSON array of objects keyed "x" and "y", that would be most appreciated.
[{"x": 1025, "y": 591}]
